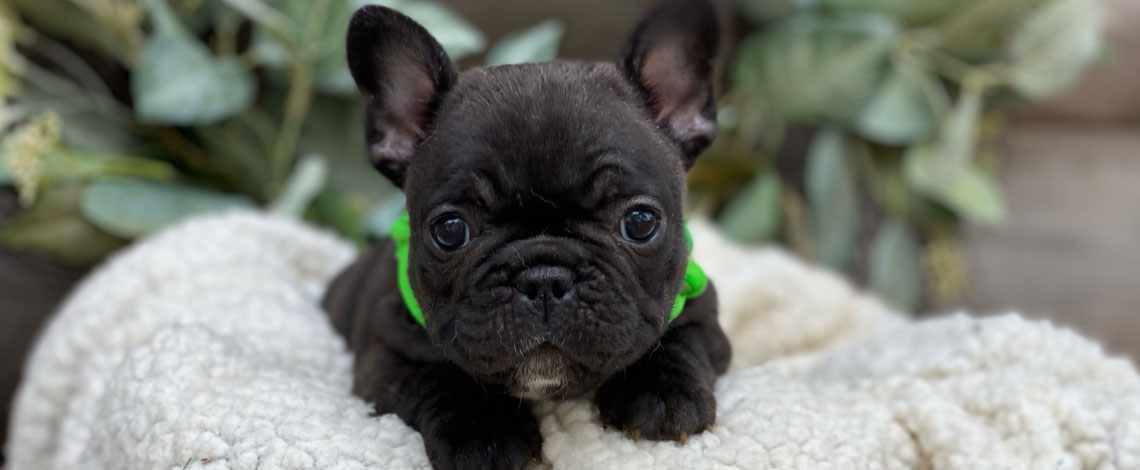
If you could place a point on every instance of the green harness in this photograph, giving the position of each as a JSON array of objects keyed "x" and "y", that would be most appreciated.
[{"x": 694, "y": 285}]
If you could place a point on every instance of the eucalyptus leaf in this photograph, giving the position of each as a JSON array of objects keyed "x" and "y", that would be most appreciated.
[
  {"x": 966, "y": 190},
  {"x": 833, "y": 197},
  {"x": 93, "y": 120},
  {"x": 1054, "y": 46},
  {"x": 912, "y": 12},
  {"x": 813, "y": 69},
  {"x": 952, "y": 150},
  {"x": 457, "y": 36},
  {"x": 976, "y": 195},
  {"x": 977, "y": 30},
  {"x": 305, "y": 183},
  {"x": 763, "y": 11},
  {"x": 268, "y": 51},
  {"x": 178, "y": 82},
  {"x": 54, "y": 226},
  {"x": 380, "y": 219},
  {"x": 315, "y": 29},
  {"x": 536, "y": 44},
  {"x": 331, "y": 66},
  {"x": 944, "y": 169},
  {"x": 902, "y": 111},
  {"x": 62, "y": 165},
  {"x": 755, "y": 214},
  {"x": 133, "y": 208},
  {"x": 895, "y": 273},
  {"x": 66, "y": 19}
]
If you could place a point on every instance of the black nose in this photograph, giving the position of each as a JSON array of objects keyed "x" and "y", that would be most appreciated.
[{"x": 545, "y": 283}]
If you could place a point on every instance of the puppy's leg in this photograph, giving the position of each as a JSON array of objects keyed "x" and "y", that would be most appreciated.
[
  {"x": 668, "y": 393},
  {"x": 464, "y": 426}
]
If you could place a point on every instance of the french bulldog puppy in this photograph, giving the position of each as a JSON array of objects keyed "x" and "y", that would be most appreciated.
[{"x": 547, "y": 243}]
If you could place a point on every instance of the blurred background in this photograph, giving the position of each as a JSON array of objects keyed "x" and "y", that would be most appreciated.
[{"x": 945, "y": 154}]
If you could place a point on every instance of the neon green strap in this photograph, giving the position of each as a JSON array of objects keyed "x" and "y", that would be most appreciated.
[
  {"x": 402, "y": 236},
  {"x": 694, "y": 285}
]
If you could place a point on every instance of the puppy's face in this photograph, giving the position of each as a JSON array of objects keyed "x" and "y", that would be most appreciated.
[
  {"x": 545, "y": 199},
  {"x": 547, "y": 238}
]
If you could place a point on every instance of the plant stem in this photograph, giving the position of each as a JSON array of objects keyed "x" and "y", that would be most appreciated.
[
  {"x": 225, "y": 43},
  {"x": 296, "y": 106},
  {"x": 179, "y": 145},
  {"x": 274, "y": 21},
  {"x": 300, "y": 96}
]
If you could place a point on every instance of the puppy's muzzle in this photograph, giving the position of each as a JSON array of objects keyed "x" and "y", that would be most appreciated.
[{"x": 545, "y": 287}]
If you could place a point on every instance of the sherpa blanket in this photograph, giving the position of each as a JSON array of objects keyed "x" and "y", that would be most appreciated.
[{"x": 204, "y": 348}]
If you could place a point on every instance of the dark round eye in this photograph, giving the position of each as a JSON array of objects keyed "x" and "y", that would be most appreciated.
[
  {"x": 450, "y": 233},
  {"x": 639, "y": 225}
]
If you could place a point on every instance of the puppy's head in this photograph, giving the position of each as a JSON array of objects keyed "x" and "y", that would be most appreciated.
[{"x": 545, "y": 200}]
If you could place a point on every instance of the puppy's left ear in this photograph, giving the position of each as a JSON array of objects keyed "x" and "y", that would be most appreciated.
[{"x": 670, "y": 58}]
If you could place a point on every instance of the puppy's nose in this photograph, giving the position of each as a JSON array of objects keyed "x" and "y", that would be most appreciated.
[{"x": 545, "y": 283}]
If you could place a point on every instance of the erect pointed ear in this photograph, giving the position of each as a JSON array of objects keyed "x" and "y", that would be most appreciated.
[
  {"x": 670, "y": 59},
  {"x": 403, "y": 73}
]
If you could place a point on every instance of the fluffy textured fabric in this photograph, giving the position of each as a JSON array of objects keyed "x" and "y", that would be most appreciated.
[{"x": 204, "y": 348}]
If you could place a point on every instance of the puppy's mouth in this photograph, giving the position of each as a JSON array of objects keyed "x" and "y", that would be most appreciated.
[{"x": 543, "y": 373}]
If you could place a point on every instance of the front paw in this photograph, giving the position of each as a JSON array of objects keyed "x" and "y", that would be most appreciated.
[
  {"x": 498, "y": 435},
  {"x": 660, "y": 410}
]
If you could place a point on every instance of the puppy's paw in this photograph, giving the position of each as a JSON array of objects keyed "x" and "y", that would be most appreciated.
[
  {"x": 659, "y": 410},
  {"x": 497, "y": 435}
]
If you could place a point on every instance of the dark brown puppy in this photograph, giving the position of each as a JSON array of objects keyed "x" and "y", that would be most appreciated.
[{"x": 547, "y": 242}]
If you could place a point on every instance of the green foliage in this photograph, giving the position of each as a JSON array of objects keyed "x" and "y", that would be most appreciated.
[
  {"x": 537, "y": 44},
  {"x": 896, "y": 92},
  {"x": 303, "y": 187},
  {"x": 754, "y": 216},
  {"x": 895, "y": 272},
  {"x": 132, "y": 208},
  {"x": 53, "y": 225},
  {"x": 224, "y": 97},
  {"x": 833, "y": 198},
  {"x": 1053, "y": 46},
  {"x": 812, "y": 68},
  {"x": 178, "y": 82},
  {"x": 887, "y": 100},
  {"x": 458, "y": 37},
  {"x": 944, "y": 170},
  {"x": 906, "y": 107}
]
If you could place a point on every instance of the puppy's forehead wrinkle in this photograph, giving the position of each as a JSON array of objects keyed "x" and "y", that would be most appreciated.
[
  {"x": 519, "y": 255},
  {"x": 544, "y": 125},
  {"x": 548, "y": 202}
]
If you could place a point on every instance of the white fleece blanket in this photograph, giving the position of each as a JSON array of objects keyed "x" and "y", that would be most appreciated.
[{"x": 204, "y": 348}]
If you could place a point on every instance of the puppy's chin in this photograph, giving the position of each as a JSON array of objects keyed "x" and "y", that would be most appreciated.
[
  {"x": 540, "y": 375},
  {"x": 545, "y": 373}
]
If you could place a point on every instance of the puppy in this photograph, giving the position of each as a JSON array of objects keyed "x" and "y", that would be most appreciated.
[{"x": 544, "y": 247}]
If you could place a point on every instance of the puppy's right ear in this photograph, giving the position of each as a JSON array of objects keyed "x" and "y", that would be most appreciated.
[
  {"x": 670, "y": 59},
  {"x": 403, "y": 73}
]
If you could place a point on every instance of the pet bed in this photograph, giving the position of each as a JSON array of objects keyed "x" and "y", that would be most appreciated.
[{"x": 204, "y": 347}]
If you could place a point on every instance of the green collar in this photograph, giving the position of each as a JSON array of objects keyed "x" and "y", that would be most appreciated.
[{"x": 694, "y": 285}]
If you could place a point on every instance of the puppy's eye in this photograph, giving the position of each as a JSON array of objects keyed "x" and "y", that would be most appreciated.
[
  {"x": 450, "y": 233},
  {"x": 640, "y": 225}
]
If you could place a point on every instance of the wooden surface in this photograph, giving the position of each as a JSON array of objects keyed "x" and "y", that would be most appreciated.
[{"x": 1071, "y": 248}]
